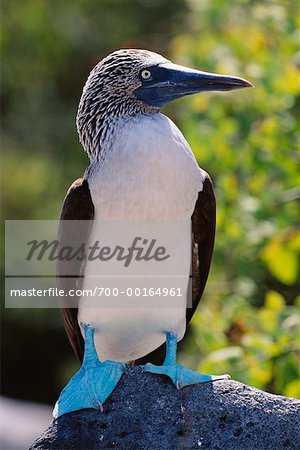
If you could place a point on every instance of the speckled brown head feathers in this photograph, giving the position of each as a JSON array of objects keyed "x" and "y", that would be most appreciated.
[{"x": 109, "y": 94}]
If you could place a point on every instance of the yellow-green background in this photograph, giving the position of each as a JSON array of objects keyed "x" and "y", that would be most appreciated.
[{"x": 247, "y": 323}]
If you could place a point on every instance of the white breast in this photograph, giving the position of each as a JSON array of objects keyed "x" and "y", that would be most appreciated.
[{"x": 149, "y": 174}]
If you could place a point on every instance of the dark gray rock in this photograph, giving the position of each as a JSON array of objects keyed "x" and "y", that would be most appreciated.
[{"x": 147, "y": 412}]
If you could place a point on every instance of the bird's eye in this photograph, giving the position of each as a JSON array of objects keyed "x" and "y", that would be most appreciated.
[{"x": 145, "y": 74}]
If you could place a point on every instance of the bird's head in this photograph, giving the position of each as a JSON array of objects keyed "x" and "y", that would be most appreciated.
[{"x": 130, "y": 82}]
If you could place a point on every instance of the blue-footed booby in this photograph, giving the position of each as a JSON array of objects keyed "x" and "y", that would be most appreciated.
[{"x": 141, "y": 169}]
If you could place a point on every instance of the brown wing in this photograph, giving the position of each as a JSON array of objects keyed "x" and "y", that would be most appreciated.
[
  {"x": 77, "y": 206},
  {"x": 203, "y": 230}
]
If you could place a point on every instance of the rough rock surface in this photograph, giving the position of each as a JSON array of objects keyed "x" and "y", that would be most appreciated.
[{"x": 146, "y": 411}]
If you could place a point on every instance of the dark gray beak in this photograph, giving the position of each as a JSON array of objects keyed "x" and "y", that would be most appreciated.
[{"x": 169, "y": 81}]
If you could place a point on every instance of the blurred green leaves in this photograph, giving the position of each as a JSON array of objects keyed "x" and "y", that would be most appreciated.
[
  {"x": 248, "y": 324},
  {"x": 281, "y": 256}
]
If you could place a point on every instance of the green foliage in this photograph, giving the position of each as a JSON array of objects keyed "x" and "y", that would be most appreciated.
[{"x": 247, "y": 323}]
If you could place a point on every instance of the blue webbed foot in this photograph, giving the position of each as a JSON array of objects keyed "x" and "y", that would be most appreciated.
[
  {"x": 92, "y": 384},
  {"x": 179, "y": 375},
  {"x": 183, "y": 377}
]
